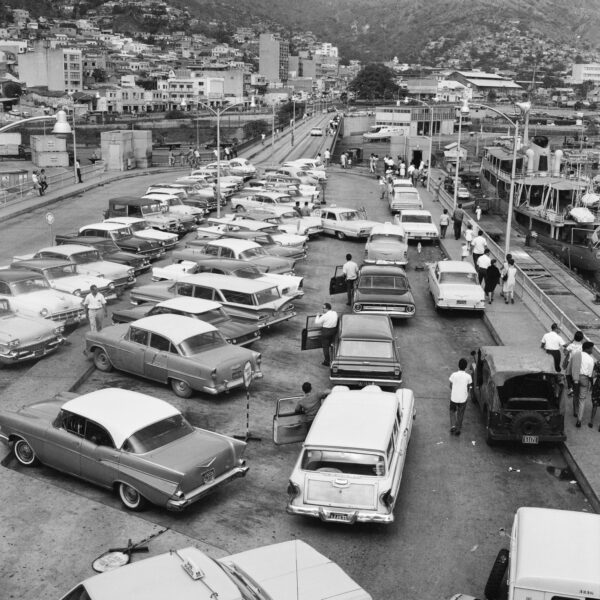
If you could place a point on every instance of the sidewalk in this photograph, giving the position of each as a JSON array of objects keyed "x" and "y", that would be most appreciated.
[{"x": 516, "y": 325}]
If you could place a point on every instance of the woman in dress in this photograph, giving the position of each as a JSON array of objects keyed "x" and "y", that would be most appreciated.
[
  {"x": 510, "y": 281},
  {"x": 491, "y": 280}
]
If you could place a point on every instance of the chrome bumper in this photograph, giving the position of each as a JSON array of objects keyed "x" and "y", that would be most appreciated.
[{"x": 344, "y": 517}]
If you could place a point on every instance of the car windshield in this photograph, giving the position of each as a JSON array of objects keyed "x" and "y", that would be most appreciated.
[
  {"x": 62, "y": 271},
  {"x": 349, "y": 216},
  {"x": 155, "y": 207},
  {"x": 121, "y": 234},
  {"x": 386, "y": 237},
  {"x": 138, "y": 226},
  {"x": 338, "y": 461},
  {"x": 268, "y": 295},
  {"x": 365, "y": 348},
  {"x": 174, "y": 201},
  {"x": 201, "y": 343},
  {"x": 26, "y": 286},
  {"x": 462, "y": 278},
  {"x": 416, "y": 219},
  {"x": 89, "y": 256},
  {"x": 247, "y": 273},
  {"x": 397, "y": 283},
  {"x": 289, "y": 215},
  {"x": 253, "y": 253},
  {"x": 158, "y": 434},
  {"x": 284, "y": 199}
]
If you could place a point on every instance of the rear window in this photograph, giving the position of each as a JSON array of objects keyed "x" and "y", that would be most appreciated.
[
  {"x": 238, "y": 297},
  {"x": 364, "y": 348},
  {"x": 350, "y": 463},
  {"x": 158, "y": 434},
  {"x": 461, "y": 278},
  {"x": 398, "y": 283},
  {"x": 201, "y": 343}
]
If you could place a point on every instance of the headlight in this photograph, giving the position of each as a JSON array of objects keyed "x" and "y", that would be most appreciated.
[
  {"x": 358, "y": 307},
  {"x": 213, "y": 374},
  {"x": 162, "y": 243},
  {"x": 44, "y": 312},
  {"x": 59, "y": 330},
  {"x": 111, "y": 286},
  {"x": 131, "y": 272},
  {"x": 76, "y": 292},
  {"x": 233, "y": 341}
]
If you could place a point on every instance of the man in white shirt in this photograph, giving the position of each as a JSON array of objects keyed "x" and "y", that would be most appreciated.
[
  {"x": 478, "y": 245},
  {"x": 581, "y": 369},
  {"x": 328, "y": 320},
  {"x": 482, "y": 264},
  {"x": 94, "y": 304},
  {"x": 553, "y": 344},
  {"x": 350, "y": 270},
  {"x": 460, "y": 387},
  {"x": 327, "y": 156}
]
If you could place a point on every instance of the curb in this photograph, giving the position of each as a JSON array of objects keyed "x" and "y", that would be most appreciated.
[{"x": 581, "y": 479}]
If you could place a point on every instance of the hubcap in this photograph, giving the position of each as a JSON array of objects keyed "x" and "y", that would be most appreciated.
[
  {"x": 131, "y": 496},
  {"x": 25, "y": 452}
]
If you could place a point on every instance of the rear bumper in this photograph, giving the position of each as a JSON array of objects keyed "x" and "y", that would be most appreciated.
[
  {"x": 346, "y": 517},
  {"x": 362, "y": 381},
  {"x": 229, "y": 385},
  {"x": 454, "y": 306},
  {"x": 268, "y": 322}
]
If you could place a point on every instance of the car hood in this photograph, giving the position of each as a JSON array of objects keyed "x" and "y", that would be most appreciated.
[
  {"x": 159, "y": 290},
  {"x": 132, "y": 314},
  {"x": 107, "y": 269},
  {"x": 25, "y": 329},
  {"x": 48, "y": 409},
  {"x": 155, "y": 234},
  {"x": 138, "y": 244},
  {"x": 52, "y": 300},
  {"x": 289, "y": 239},
  {"x": 273, "y": 263},
  {"x": 79, "y": 282},
  {"x": 295, "y": 570},
  {"x": 360, "y": 224}
]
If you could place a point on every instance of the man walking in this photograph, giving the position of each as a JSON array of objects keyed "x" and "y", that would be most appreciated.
[
  {"x": 43, "y": 182},
  {"x": 305, "y": 210},
  {"x": 478, "y": 244},
  {"x": 553, "y": 343},
  {"x": 581, "y": 367},
  {"x": 94, "y": 304},
  {"x": 327, "y": 156},
  {"x": 483, "y": 262},
  {"x": 350, "y": 270},
  {"x": 328, "y": 320},
  {"x": 78, "y": 171},
  {"x": 444, "y": 222},
  {"x": 457, "y": 218},
  {"x": 460, "y": 386}
]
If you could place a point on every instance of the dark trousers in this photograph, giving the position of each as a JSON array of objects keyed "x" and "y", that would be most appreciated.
[
  {"x": 457, "y": 229},
  {"x": 327, "y": 337},
  {"x": 79, "y": 176},
  {"x": 481, "y": 275},
  {"x": 457, "y": 412},
  {"x": 476, "y": 258},
  {"x": 443, "y": 229},
  {"x": 556, "y": 354},
  {"x": 350, "y": 289}
]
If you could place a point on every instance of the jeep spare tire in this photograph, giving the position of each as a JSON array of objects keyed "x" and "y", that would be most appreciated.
[
  {"x": 528, "y": 423},
  {"x": 494, "y": 587}
]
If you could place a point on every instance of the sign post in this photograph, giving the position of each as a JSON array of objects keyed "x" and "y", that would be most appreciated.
[{"x": 247, "y": 376}]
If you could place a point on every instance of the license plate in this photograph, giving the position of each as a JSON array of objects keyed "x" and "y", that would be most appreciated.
[
  {"x": 531, "y": 439},
  {"x": 461, "y": 302},
  {"x": 208, "y": 476},
  {"x": 339, "y": 517}
]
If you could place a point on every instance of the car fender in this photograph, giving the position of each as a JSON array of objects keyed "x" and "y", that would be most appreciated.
[
  {"x": 178, "y": 368},
  {"x": 155, "y": 488}
]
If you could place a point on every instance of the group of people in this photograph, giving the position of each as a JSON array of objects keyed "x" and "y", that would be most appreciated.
[
  {"x": 581, "y": 370},
  {"x": 346, "y": 160},
  {"x": 38, "y": 178}
]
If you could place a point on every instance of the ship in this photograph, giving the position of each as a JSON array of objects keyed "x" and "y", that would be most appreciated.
[{"x": 554, "y": 198}]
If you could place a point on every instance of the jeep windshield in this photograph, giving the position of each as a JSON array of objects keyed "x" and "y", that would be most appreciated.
[
  {"x": 533, "y": 391},
  {"x": 154, "y": 208},
  {"x": 338, "y": 461},
  {"x": 29, "y": 285},
  {"x": 365, "y": 348},
  {"x": 397, "y": 283}
]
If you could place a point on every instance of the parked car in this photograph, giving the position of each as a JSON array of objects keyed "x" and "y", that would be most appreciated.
[
  {"x": 235, "y": 331},
  {"x": 63, "y": 276},
  {"x": 173, "y": 201},
  {"x": 379, "y": 289},
  {"x": 124, "y": 238},
  {"x": 520, "y": 394},
  {"x": 188, "y": 354},
  {"x": 274, "y": 572},
  {"x": 30, "y": 295},
  {"x": 350, "y": 466},
  {"x": 239, "y": 167},
  {"x": 138, "y": 445},
  {"x": 364, "y": 350},
  {"x": 256, "y": 301},
  {"x": 345, "y": 222},
  {"x": 257, "y": 201},
  {"x": 316, "y": 131},
  {"x": 26, "y": 338},
  {"x": 225, "y": 178},
  {"x": 309, "y": 189},
  {"x": 189, "y": 261},
  {"x": 418, "y": 225},
  {"x": 454, "y": 284},
  {"x": 405, "y": 198},
  {"x": 199, "y": 194},
  {"x": 141, "y": 228},
  {"x": 386, "y": 245},
  {"x": 287, "y": 220},
  {"x": 308, "y": 167}
]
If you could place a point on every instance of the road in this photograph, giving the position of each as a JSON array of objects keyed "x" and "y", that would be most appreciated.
[{"x": 457, "y": 496}]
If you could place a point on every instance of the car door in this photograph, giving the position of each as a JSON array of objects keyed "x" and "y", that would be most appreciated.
[
  {"x": 288, "y": 425},
  {"x": 156, "y": 357},
  {"x": 128, "y": 354},
  {"x": 434, "y": 276},
  {"x": 328, "y": 221},
  {"x": 337, "y": 284},
  {"x": 99, "y": 457},
  {"x": 311, "y": 334},
  {"x": 62, "y": 445}
]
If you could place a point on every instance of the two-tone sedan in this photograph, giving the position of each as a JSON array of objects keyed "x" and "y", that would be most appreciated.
[
  {"x": 135, "y": 444},
  {"x": 345, "y": 222},
  {"x": 418, "y": 225},
  {"x": 236, "y": 331},
  {"x": 26, "y": 338},
  {"x": 124, "y": 239},
  {"x": 454, "y": 284},
  {"x": 188, "y": 354},
  {"x": 387, "y": 245},
  {"x": 141, "y": 229}
]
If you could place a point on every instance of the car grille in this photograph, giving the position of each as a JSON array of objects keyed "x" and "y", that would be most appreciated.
[
  {"x": 123, "y": 281},
  {"x": 39, "y": 348},
  {"x": 75, "y": 314},
  {"x": 152, "y": 252},
  {"x": 374, "y": 307}
]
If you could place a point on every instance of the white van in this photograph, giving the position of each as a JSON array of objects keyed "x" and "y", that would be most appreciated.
[{"x": 554, "y": 555}]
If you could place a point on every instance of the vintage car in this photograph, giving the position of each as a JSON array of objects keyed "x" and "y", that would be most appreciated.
[
  {"x": 63, "y": 276},
  {"x": 173, "y": 201},
  {"x": 244, "y": 250},
  {"x": 351, "y": 463},
  {"x": 200, "y": 194},
  {"x": 226, "y": 176},
  {"x": 227, "y": 188},
  {"x": 256, "y": 301},
  {"x": 141, "y": 228},
  {"x": 520, "y": 394},
  {"x": 345, "y": 222},
  {"x": 30, "y": 295},
  {"x": 307, "y": 188},
  {"x": 379, "y": 289},
  {"x": 454, "y": 284},
  {"x": 188, "y": 354},
  {"x": 309, "y": 167},
  {"x": 89, "y": 260},
  {"x": 124, "y": 238},
  {"x": 294, "y": 172},
  {"x": 386, "y": 245},
  {"x": 275, "y": 572},
  {"x": 418, "y": 225},
  {"x": 26, "y": 338},
  {"x": 152, "y": 211},
  {"x": 259, "y": 200},
  {"x": 135, "y": 444},
  {"x": 364, "y": 350},
  {"x": 234, "y": 330},
  {"x": 316, "y": 131},
  {"x": 188, "y": 262},
  {"x": 239, "y": 167},
  {"x": 287, "y": 220},
  {"x": 404, "y": 198}
]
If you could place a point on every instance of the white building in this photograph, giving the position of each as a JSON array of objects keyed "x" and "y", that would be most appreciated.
[{"x": 585, "y": 72}]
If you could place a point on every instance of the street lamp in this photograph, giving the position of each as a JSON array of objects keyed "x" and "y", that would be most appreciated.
[
  {"x": 464, "y": 110},
  {"x": 406, "y": 101},
  {"x": 217, "y": 113},
  {"x": 293, "y": 121},
  {"x": 62, "y": 127}
]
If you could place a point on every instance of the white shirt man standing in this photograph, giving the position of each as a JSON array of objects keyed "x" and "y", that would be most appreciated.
[
  {"x": 95, "y": 304},
  {"x": 553, "y": 343},
  {"x": 328, "y": 320},
  {"x": 350, "y": 270},
  {"x": 460, "y": 386},
  {"x": 581, "y": 370}
]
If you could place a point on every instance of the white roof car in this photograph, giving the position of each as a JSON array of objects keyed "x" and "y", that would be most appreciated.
[
  {"x": 454, "y": 284},
  {"x": 244, "y": 224},
  {"x": 170, "y": 327},
  {"x": 309, "y": 169},
  {"x": 239, "y": 167},
  {"x": 417, "y": 224},
  {"x": 386, "y": 245},
  {"x": 121, "y": 414},
  {"x": 281, "y": 571},
  {"x": 264, "y": 198},
  {"x": 175, "y": 204},
  {"x": 140, "y": 228},
  {"x": 317, "y": 131},
  {"x": 345, "y": 222}
]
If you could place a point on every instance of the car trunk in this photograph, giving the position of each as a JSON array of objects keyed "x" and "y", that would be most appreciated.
[{"x": 340, "y": 491}]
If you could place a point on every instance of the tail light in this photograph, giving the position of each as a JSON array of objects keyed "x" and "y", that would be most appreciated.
[
  {"x": 387, "y": 499},
  {"x": 292, "y": 490}
]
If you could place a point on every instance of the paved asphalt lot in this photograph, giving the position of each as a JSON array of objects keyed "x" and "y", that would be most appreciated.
[{"x": 457, "y": 497}]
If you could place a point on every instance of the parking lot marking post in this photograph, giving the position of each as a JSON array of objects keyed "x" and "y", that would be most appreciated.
[{"x": 247, "y": 437}]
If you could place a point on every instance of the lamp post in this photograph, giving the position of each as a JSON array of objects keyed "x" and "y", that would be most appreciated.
[
  {"x": 293, "y": 121},
  {"x": 217, "y": 113},
  {"x": 464, "y": 109},
  {"x": 430, "y": 106},
  {"x": 273, "y": 134},
  {"x": 62, "y": 127}
]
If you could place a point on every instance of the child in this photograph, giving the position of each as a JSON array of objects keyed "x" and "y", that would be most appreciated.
[
  {"x": 478, "y": 212},
  {"x": 465, "y": 252},
  {"x": 469, "y": 236}
]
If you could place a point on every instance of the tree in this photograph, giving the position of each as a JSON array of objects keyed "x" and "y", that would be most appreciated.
[
  {"x": 99, "y": 75},
  {"x": 12, "y": 90},
  {"x": 374, "y": 81},
  {"x": 491, "y": 96},
  {"x": 253, "y": 129},
  {"x": 148, "y": 83}
]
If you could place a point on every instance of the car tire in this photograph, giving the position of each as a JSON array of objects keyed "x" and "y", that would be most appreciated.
[
  {"x": 494, "y": 587},
  {"x": 131, "y": 498},
  {"x": 24, "y": 453},
  {"x": 528, "y": 423},
  {"x": 340, "y": 235},
  {"x": 240, "y": 209},
  {"x": 181, "y": 388},
  {"x": 101, "y": 361}
]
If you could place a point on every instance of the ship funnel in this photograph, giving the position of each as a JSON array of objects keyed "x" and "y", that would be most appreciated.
[
  {"x": 530, "y": 161},
  {"x": 556, "y": 165}
]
